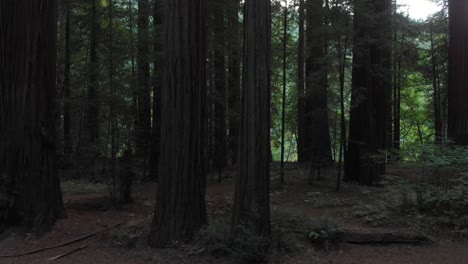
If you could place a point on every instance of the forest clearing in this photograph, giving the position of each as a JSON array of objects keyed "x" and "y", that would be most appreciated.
[
  {"x": 297, "y": 209},
  {"x": 234, "y": 131}
]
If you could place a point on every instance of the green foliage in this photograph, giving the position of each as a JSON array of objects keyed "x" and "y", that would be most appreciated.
[
  {"x": 439, "y": 181},
  {"x": 245, "y": 246}
]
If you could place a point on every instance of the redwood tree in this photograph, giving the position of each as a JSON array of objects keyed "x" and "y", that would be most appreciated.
[
  {"x": 251, "y": 202},
  {"x": 371, "y": 86},
  {"x": 180, "y": 203},
  {"x": 29, "y": 184},
  {"x": 317, "y": 139},
  {"x": 458, "y": 72}
]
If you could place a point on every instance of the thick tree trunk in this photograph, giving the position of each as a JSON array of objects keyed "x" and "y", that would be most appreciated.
[
  {"x": 234, "y": 78},
  {"x": 301, "y": 118},
  {"x": 29, "y": 184},
  {"x": 369, "y": 100},
  {"x": 157, "y": 87},
  {"x": 180, "y": 203},
  {"x": 251, "y": 202},
  {"x": 317, "y": 138},
  {"x": 458, "y": 72},
  {"x": 143, "y": 126}
]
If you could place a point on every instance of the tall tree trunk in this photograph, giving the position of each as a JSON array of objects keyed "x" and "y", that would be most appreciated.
[
  {"x": 143, "y": 126},
  {"x": 251, "y": 202},
  {"x": 157, "y": 87},
  {"x": 369, "y": 100},
  {"x": 29, "y": 184},
  {"x": 220, "y": 157},
  {"x": 93, "y": 86},
  {"x": 301, "y": 120},
  {"x": 318, "y": 143},
  {"x": 436, "y": 91},
  {"x": 67, "y": 140},
  {"x": 133, "y": 84},
  {"x": 234, "y": 78},
  {"x": 180, "y": 203},
  {"x": 458, "y": 72},
  {"x": 283, "y": 108}
]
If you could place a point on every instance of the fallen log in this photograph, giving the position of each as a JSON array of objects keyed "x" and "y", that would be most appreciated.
[{"x": 360, "y": 236}]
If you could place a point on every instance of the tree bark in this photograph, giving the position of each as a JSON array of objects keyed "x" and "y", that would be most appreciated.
[
  {"x": 143, "y": 126},
  {"x": 180, "y": 203},
  {"x": 317, "y": 138},
  {"x": 369, "y": 100},
  {"x": 234, "y": 78},
  {"x": 458, "y": 72},
  {"x": 29, "y": 184},
  {"x": 68, "y": 145},
  {"x": 301, "y": 120},
  {"x": 93, "y": 86},
  {"x": 251, "y": 202},
  {"x": 220, "y": 129}
]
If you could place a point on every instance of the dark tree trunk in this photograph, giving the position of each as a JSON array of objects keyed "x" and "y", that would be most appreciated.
[
  {"x": 143, "y": 126},
  {"x": 369, "y": 100},
  {"x": 180, "y": 203},
  {"x": 157, "y": 87},
  {"x": 93, "y": 86},
  {"x": 220, "y": 129},
  {"x": 301, "y": 120},
  {"x": 68, "y": 145},
  {"x": 234, "y": 78},
  {"x": 29, "y": 184},
  {"x": 251, "y": 202},
  {"x": 317, "y": 138},
  {"x": 283, "y": 107},
  {"x": 436, "y": 92},
  {"x": 458, "y": 72}
]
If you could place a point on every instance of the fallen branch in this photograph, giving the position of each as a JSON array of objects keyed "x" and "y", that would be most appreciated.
[
  {"x": 70, "y": 242},
  {"x": 68, "y": 253}
]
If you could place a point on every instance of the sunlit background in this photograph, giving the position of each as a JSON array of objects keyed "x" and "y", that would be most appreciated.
[{"x": 418, "y": 9}]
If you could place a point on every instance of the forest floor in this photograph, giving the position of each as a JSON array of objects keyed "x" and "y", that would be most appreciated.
[{"x": 294, "y": 207}]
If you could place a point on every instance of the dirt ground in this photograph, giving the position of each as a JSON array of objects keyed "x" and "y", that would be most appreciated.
[{"x": 89, "y": 210}]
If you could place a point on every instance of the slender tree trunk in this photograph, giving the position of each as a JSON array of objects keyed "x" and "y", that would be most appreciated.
[
  {"x": 180, "y": 203},
  {"x": 220, "y": 129},
  {"x": 283, "y": 109},
  {"x": 317, "y": 138},
  {"x": 251, "y": 202},
  {"x": 436, "y": 91},
  {"x": 67, "y": 140},
  {"x": 301, "y": 120},
  {"x": 458, "y": 72},
  {"x": 133, "y": 85},
  {"x": 29, "y": 183},
  {"x": 143, "y": 126},
  {"x": 93, "y": 86},
  {"x": 234, "y": 79},
  {"x": 342, "y": 67}
]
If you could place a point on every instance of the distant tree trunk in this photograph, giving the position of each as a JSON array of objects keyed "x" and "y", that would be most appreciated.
[
  {"x": 318, "y": 143},
  {"x": 251, "y": 202},
  {"x": 396, "y": 82},
  {"x": 143, "y": 126},
  {"x": 458, "y": 72},
  {"x": 301, "y": 120},
  {"x": 234, "y": 78},
  {"x": 133, "y": 85},
  {"x": 369, "y": 100},
  {"x": 283, "y": 108},
  {"x": 220, "y": 155},
  {"x": 436, "y": 92},
  {"x": 29, "y": 184},
  {"x": 157, "y": 87},
  {"x": 93, "y": 86},
  {"x": 180, "y": 203},
  {"x": 68, "y": 145}
]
